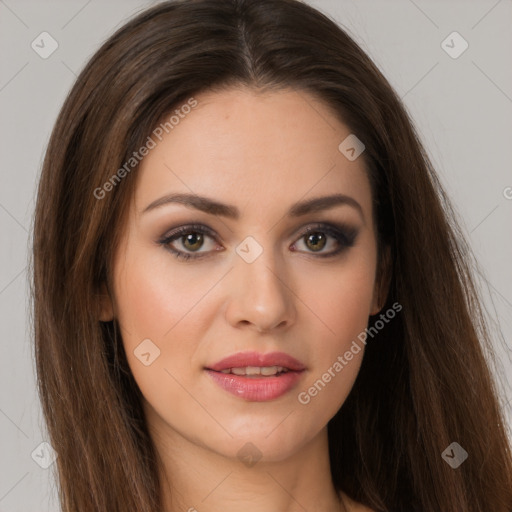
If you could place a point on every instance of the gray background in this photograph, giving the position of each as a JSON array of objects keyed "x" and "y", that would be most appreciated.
[{"x": 462, "y": 108}]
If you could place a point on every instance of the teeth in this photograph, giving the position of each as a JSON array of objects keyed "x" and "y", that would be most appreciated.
[
  {"x": 256, "y": 370},
  {"x": 270, "y": 370}
]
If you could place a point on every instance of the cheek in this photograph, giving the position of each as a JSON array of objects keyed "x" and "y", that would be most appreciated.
[
  {"x": 160, "y": 313},
  {"x": 155, "y": 296},
  {"x": 340, "y": 308},
  {"x": 340, "y": 298},
  {"x": 161, "y": 320}
]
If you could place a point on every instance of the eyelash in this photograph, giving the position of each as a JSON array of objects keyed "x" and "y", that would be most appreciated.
[{"x": 344, "y": 235}]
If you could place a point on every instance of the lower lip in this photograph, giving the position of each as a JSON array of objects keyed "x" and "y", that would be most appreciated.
[{"x": 256, "y": 389}]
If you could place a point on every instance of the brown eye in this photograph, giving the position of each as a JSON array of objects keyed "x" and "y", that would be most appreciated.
[
  {"x": 192, "y": 241},
  {"x": 315, "y": 241},
  {"x": 187, "y": 240},
  {"x": 326, "y": 240}
]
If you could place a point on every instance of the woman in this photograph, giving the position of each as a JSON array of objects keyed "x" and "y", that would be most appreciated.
[{"x": 250, "y": 289}]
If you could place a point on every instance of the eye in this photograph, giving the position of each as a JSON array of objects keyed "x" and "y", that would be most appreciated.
[
  {"x": 189, "y": 238},
  {"x": 316, "y": 238},
  {"x": 185, "y": 242}
]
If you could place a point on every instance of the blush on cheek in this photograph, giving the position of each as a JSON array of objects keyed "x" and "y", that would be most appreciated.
[{"x": 343, "y": 316}]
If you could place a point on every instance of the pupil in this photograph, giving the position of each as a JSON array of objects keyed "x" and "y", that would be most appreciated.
[
  {"x": 315, "y": 238},
  {"x": 193, "y": 239}
]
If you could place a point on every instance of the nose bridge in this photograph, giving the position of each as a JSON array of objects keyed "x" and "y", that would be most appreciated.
[{"x": 261, "y": 293}]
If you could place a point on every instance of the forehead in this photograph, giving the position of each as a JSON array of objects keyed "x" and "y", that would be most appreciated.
[{"x": 252, "y": 148}]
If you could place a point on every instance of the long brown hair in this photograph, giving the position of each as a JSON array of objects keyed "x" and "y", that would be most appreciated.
[{"x": 424, "y": 382}]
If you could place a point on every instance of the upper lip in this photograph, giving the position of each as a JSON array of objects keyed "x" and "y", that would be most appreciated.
[{"x": 244, "y": 359}]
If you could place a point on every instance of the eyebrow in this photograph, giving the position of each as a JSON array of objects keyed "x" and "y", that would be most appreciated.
[{"x": 213, "y": 207}]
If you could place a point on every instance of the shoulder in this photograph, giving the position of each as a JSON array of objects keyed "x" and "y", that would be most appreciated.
[
  {"x": 362, "y": 508},
  {"x": 354, "y": 506}
]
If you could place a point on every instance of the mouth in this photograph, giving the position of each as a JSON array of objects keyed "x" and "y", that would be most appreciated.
[
  {"x": 257, "y": 377},
  {"x": 256, "y": 371}
]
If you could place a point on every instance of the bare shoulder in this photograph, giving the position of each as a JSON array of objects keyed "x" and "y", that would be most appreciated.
[
  {"x": 354, "y": 506},
  {"x": 365, "y": 509},
  {"x": 361, "y": 508}
]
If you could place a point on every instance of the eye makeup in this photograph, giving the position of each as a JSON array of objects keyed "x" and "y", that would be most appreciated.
[{"x": 343, "y": 236}]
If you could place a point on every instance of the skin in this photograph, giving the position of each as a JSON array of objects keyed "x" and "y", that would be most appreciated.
[{"x": 246, "y": 149}]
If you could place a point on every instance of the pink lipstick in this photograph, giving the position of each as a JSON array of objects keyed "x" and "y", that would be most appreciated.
[{"x": 257, "y": 377}]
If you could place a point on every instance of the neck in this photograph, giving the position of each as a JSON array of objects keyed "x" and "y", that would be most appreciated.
[{"x": 195, "y": 478}]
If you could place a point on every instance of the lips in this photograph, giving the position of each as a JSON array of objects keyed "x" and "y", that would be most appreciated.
[
  {"x": 257, "y": 377},
  {"x": 255, "y": 359}
]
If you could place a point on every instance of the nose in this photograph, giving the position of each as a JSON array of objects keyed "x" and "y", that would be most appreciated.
[{"x": 260, "y": 295}]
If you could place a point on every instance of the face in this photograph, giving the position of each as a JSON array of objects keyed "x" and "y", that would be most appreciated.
[{"x": 259, "y": 275}]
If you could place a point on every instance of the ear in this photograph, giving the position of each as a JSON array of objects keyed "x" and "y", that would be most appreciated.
[
  {"x": 106, "y": 309},
  {"x": 382, "y": 281}
]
